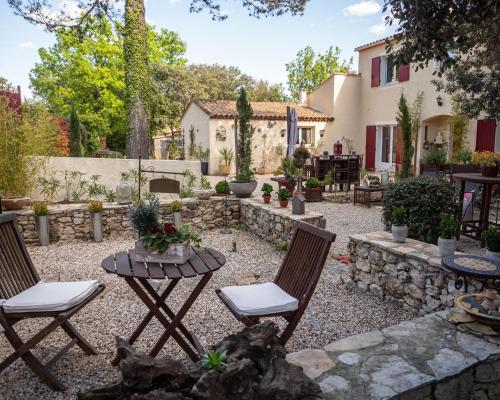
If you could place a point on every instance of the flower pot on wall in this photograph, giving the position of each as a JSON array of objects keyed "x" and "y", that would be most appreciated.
[
  {"x": 15, "y": 203},
  {"x": 96, "y": 219},
  {"x": 243, "y": 189},
  {"x": 204, "y": 167},
  {"x": 399, "y": 233},
  {"x": 204, "y": 194},
  {"x": 283, "y": 203},
  {"x": 314, "y": 194},
  {"x": 42, "y": 228},
  {"x": 490, "y": 172},
  {"x": 224, "y": 169},
  {"x": 447, "y": 247},
  {"x": 267, "y": 198}
]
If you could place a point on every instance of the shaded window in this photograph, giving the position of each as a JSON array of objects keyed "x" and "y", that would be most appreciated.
[
  {"x": 386, "y": 144},
  {"x": 305, "y": 136}
]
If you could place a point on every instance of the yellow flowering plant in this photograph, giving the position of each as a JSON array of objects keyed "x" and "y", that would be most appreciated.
[{"x": 485, "y": 158}]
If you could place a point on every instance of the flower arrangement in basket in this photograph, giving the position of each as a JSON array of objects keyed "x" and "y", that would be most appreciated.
[
  {"x": 160, "y": 242},
  {"x": 488, "y": 161}
]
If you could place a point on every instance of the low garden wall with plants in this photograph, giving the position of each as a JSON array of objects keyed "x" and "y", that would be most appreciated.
[
  {"x": 273, "y": 223},
  {"x": 410, "y": 272}
]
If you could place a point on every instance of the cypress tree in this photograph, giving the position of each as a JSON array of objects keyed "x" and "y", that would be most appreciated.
[
  {"x": 75, "y": 131},
  {"x": 404, "y": 120},
  {"x": 245, "y": 132}
]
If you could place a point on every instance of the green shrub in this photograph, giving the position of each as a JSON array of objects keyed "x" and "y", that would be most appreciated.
[
  {"x": 313, "y": 183},
  {"x": 492, "y": 238},
  {"x": 448, "y": 225},
  {"x": 464, "y": 156},
  {"x": 398, "y": 216},
  {"x": 266, "y": 189},
  {"x": 40, "y": 208},
  {"x": 424, "y": 199},
  {"x": 435, "y": 156},
  {"x": 176, "y": 206},
  {"x": 222, "y": 187},
  {"x": 95, "y": 207},
  {"x": 284, "y": 194}
]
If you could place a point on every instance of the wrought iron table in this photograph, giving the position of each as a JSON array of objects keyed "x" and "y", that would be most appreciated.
[
  {"x": 466, "y": 265},
  {"x": 203, "y": 263},
  {"x": 363, "y": 195}
]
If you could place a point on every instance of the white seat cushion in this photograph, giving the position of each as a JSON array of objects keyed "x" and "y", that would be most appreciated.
[
  {"x": 265, "y": 298},
  {"x": 50, "y": 296}
]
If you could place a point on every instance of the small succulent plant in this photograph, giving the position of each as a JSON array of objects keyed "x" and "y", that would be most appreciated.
[{"x": 214, "y": 360}]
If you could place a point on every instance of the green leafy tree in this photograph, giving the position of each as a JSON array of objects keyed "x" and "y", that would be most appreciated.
[
  {"x": 404, "y": 120},
  {"x": 462, "y": 35},
  {"x": 75, "y": 138},
  {"x": 245, "y": 133},
  {"x": 310, "y": 69}
]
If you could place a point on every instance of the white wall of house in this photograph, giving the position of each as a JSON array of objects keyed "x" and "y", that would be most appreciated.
[{"x": 196, "y": 118}]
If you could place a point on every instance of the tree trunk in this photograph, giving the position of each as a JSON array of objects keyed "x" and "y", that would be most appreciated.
[{"x": 137, "y": 79}]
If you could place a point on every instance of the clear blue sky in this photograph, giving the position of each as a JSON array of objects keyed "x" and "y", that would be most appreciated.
[{"x": 259, "y": 47}]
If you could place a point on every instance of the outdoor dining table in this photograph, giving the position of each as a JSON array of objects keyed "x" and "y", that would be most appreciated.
[{"x": 202, "y": 263}]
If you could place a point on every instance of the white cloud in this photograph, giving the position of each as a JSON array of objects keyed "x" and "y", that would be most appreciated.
[
  {"x": 379, "y": 29},
  {"x": 363, "y": 8},
  {"x": 27, "y": 45}
]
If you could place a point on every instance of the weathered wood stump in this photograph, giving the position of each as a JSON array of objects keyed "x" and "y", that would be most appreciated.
[{"x": 256, "y": 370}]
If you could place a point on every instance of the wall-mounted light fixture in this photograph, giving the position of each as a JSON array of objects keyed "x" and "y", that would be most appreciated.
[
  {"x": 439, "y": 101},
  {"x": 282, "y": 132},
  {"x": 321, "y": 133},
  {"x": 259, "y": 130}
]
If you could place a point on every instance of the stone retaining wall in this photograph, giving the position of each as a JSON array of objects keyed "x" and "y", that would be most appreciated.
[
  {"x": 409, "y": 272},
  {"x": 427, "y": 358},
  {"x": 273, "y": 223}
]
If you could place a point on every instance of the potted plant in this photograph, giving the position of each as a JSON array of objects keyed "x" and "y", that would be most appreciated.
[
  {"x": 176, "y": 207},
  {"x": 283, "y": 196},
  {"x": 205, "y": 191},
  {"x": 95, "y": 209},
  {"x": 158, "y": 242},
  {"x": 225, "y": 159},
  {"x": 488, "y": 161},
  {"x": 41, "y": 212},
  {"x": 203, "y": 155},
  {"x": 448, "y": 226},
  {"x": 399, "y": 228},
  {"x": 300, "y": 155},
  {"x": 313, "y": 190},
  {"x": 244, "y": 183},
  {"x": 492, "y": 238},
  {"x": 267, "y": 151},
  {"x": 266, "y": 190},
  {"x": 289, "y": 170},
  {"x": 222, "y": 188}
]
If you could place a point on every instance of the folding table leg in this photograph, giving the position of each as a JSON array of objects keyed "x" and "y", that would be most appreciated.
[{"x": 180, "y": 314}]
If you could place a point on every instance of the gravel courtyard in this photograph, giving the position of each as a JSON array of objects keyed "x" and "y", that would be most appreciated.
[{"x": 337, "y": 309}]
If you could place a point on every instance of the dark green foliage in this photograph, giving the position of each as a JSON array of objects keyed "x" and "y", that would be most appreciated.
[
  {"x": 266, "y": 189},
  {"x": 300, "y": 155},
  {"x": 222, "y": 187},
  {"x": 244, "y": 176},
  {"x": 404, "y": 120},
  {"x": 435, "y": 156},
  {"x": 144, "y": 215},
  {"x": 424, "y": 199},
  {"x": 492, "y": 238},
  {"x": 448, "y": 225},
  {"x": 245, "y": 133},
  {"x": 398, "y": 216},
  {"x": 75, "y": 132},
  {"x": 464, "y": 156},
  {"x": 284, "y": 194},
  {"x": 313, "y": 183}
]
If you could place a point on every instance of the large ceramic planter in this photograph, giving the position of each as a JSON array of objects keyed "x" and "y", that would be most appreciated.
[
  {"x": 446, "y": 247},
  {"x": 283, "y": 203},
  {"x": 243, "y": 189},
  {"x": 176, "y": 253},
  {"x": 42, "y": 228},
  {"x": 493, "y": 255},
  {"x": 204, "y": 167},
  {"x": 96, "y": 219},
  {"x": 490, "y": 172},
  {"x": 224, "y": 170},
  {"x": 267, "y": 198},
  {"x": 204, "y": 194},
  {"x": 313, "y": 194},
  {"x": 177, "y": 218},
  {"x": 15, "y": 203},
  {"x": 399, "y": 233}
]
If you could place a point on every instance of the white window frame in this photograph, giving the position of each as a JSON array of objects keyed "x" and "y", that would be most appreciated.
[
  {"x": 383, "y": 72},
  {"x": 379, "y": 165},
  {"x": 313, "y": 135}
]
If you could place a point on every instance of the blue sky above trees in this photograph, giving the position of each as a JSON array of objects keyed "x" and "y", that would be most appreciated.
[{"x": 259, "y": 47}]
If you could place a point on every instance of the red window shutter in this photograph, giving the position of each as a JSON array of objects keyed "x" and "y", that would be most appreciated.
[
  {"x": 375, "y": 71},
  {"x": 371, "y": 138},
  {"x": 403, "y": 72},
  {"x": 485, "y": 134}
]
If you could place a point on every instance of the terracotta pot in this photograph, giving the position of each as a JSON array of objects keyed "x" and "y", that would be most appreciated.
[
  {"x": 262, "y": 171},
  {"x": 224, "y": 169},
  {"x": 283, "y": 203},
  {"x": 15, "y": 203},
  {"x": 490, "y": 172},
  {"x": 267, "y": 198}
]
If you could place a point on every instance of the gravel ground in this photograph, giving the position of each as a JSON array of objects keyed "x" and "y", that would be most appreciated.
[{"x": 337, "y": 309}]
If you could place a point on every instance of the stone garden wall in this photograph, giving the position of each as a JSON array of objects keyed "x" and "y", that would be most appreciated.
[
  {"x": 410, "y": 272},
  {"x": 273, "y": 223}
]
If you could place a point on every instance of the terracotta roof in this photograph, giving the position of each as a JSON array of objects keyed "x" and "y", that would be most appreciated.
[
  {"x": 226, "y": 109},
  {"x": 373, "y": 44}
]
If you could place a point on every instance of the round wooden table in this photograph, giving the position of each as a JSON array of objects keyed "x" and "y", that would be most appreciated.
[
  {"x": 475, "y": 228},
  {"x": 466, "y": 265},
  {"x": 203, "y": 262}
]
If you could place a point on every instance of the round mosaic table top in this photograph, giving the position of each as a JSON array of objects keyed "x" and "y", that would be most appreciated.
[{"x": 477, "y": 266}]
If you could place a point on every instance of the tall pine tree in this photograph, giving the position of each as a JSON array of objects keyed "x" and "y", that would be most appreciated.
[
  {"x": 404, "y": 120},
  {"x": 75, "y": 131},
  {"x": 245, "y": 132}
]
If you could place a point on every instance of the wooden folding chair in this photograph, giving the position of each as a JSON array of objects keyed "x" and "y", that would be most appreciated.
[
  {"x": 25, "y": 296},
  {"x": 293, "y": 286}
]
